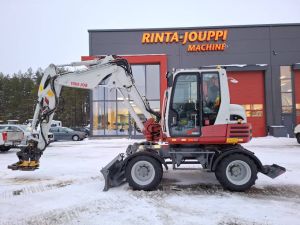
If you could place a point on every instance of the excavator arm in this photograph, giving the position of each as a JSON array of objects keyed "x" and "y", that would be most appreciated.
[{"x": 110, "y": 72}]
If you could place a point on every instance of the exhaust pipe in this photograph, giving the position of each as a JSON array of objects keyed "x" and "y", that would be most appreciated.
[{"x": 114, "y": 172}]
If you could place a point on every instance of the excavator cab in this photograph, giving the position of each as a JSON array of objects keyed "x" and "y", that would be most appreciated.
[
  {"x": 195, "y": 101},
  {"x": 197, "y": 98}
]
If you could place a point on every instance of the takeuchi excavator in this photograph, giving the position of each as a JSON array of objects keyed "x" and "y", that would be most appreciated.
[{"x": 196, "y": 125}]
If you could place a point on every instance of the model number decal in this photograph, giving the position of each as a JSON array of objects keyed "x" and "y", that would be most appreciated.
[{"x": 78, "y": 84}]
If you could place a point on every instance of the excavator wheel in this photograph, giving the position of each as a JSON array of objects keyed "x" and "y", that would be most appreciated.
[
  {"x": 236, "y": 172},
  {"x": 144, "y": 173}
]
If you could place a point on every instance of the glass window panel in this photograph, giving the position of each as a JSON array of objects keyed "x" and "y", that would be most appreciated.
[
  {"x": 285, "y": 72},
  {"x": 257, "y": 113},
  {"x": 152, "y": 81},
  {"x": 122, "y": 119},
  {"x": 248, "y": 113},
  {"x": 111, "y": 118},
  {"x": 287, "y": 109},
  {"x": 184, "y": 106},
  {"x": 286, "y": 85},
  {"x": 298, "y": 109},
  {"x": 138, "y": 72},
  {"x": 98, "y": 118},
  {"x": 257, "y": 107},
  {"x": 110, "y": 95},
  {"x": 155, "y": 105},
  {"x": 286, "y": 99},
  {"x": 247, "y": 107},
  {"x": 211, "y": 97},
  {"x": 98, "y": 93}
]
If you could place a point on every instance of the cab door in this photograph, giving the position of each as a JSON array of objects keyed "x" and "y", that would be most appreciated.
[{"x": 184, "y": 118}]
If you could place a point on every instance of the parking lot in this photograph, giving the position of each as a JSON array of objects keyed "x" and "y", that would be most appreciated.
[{"x": 67, "y": 189}]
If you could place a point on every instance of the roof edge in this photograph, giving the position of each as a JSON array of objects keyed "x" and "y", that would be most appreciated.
[{"x": 191, "y": 28}]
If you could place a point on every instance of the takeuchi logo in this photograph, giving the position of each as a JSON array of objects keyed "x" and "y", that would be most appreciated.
[{"x": 197, "y": 41}]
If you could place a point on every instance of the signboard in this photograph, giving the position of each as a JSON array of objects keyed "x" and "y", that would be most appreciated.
[{"x": 196, "y": 41}]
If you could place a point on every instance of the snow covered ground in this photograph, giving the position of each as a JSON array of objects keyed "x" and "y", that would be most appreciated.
[{"x": 67, "y": 189}]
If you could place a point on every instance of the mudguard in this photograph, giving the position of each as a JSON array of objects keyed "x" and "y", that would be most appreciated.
[
  {"x": 149, "y": 153},
  {"x": 271, "y": 171},
  {"x": 240, "y": 150}
]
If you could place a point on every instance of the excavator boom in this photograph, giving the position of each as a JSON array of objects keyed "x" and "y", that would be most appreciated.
[{"x": 110, "y": 72}]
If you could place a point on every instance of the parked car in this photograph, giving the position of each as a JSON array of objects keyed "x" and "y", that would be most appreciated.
[
  {"x": 22, "y": 128},
  {"x": 10, "y": 139},
  {"x": 82, "y": 129},
  {"x": 65, "y": 133},
  {"x": 297, "y": 132}
]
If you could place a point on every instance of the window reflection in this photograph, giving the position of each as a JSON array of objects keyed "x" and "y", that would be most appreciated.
[
  {"x": 254, "y": 110},
  {"x": 286, "y": 89},
  {"x": 98, "y": 118},
  {"x": 298, "y": 109}
]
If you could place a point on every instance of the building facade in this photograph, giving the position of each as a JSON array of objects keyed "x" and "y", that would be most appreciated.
[{"x": 264, "y": 59}]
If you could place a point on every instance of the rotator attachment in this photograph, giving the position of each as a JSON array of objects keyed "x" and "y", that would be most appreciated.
[
  {"x": 114, "y": 172},
  {"x": 28, "y": 158}
]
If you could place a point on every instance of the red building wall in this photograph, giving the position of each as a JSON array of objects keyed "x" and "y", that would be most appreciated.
[{"x": 250, "y": 92}]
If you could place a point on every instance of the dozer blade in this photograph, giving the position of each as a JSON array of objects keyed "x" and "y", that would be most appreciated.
[
  {"x": 274, "y": 170},
  {"x": 114, "y": 172}
]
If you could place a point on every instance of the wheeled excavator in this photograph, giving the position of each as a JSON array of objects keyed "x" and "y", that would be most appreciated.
[{"x": 196, "y": 125}]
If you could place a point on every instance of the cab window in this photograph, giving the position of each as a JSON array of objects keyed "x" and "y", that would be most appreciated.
[
  {"x": 211, "y": 97},
  {"x": 184, "y": 114}
]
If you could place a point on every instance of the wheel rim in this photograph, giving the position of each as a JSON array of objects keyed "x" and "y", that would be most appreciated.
[
  {"x": 238, "y": 172},
  {"x": 142, "y": 172},
  {"x": 75, "y": 138}
]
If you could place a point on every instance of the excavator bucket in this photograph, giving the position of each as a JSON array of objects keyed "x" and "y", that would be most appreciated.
[{"x": 114, "y": 172}]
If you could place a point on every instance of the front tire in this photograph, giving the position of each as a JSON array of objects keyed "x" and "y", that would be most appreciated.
[
  {"x": 75, "y": 138},
  {"x": 144, "y": 173},
  {"x": 236, "y": 172}
]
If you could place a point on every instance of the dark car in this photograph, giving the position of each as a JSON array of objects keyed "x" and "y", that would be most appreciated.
[
  {"x": 82, "y": 129},
  {"x": 65, "y": 133}
]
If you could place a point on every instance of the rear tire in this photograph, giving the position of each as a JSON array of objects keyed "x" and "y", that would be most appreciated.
[
  {"x": 236, "y": 172},
  {"x": 144, "y": 173},
  {"x": 75, "y": 138},
  {"x": 298, "y": 138}
]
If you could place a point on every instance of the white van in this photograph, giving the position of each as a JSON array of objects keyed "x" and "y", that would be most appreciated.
[{"x": 56, "y": 123}]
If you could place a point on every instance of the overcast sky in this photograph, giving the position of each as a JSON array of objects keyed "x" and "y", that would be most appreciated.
[{"x": 35, "y": 33}]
